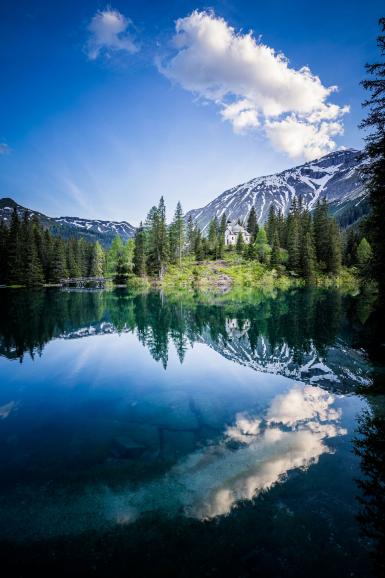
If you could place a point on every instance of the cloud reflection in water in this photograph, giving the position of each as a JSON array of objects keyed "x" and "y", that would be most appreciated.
[{"x": 254, "y": 454}]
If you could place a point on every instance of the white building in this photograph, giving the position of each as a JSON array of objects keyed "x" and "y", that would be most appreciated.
[{"x": 233, "y": 231}]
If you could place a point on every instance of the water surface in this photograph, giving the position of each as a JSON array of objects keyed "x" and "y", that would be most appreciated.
[{"x": 188, "y": 434}]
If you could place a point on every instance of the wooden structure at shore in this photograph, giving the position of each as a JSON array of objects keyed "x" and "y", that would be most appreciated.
[{"x": 79, "y": 282}]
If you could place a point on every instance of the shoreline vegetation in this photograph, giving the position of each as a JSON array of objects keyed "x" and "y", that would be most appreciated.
[{"x": 300, "y": 249}]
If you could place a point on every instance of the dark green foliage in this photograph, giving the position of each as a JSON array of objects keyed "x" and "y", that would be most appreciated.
[
  {"x": 157, "y": 240},
  {"x": 213, "y": 237},
  {"x": 334, "y": 258},
  {"x": 31, "y": 256},
  {"x": 96, "y": 266},
  {"x": 240, "y": 245},
  {"x": 321, "y": 228},
  {"x": 375, "y": 155},
  {"x": 252, "y": 224},
  {"x": 364, "y": 256},
  {"x": 140, "y": 252},
  {"x": 177, "y": 235},
  {"x": 294, "y": 238},
  {"x": 261, "y": 247},
  {"x": 121, "y": 269},
  {"x": 309, "y": 259},
  {"x": 58, "y": 267},
  {"x": 190, "y": 236},
  {"x": 275, "y": 251},
  {"x": 271, "y": 224}
]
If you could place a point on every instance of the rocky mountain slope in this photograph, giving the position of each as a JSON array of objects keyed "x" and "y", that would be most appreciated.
[
  {"x": 89, "y": 229},
  {"x": 335, "y": 176}
]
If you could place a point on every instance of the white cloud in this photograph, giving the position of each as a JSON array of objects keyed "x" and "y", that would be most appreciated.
[
  {"x": 4, "y": 148},
  {"x": 254, "y": 86},
  {"x": 109, "y": 32}
]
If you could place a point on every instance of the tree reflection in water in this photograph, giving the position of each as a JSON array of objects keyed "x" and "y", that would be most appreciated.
[
  {"x": 293, "y": 333},
  {"x": 370, "y": 447}
]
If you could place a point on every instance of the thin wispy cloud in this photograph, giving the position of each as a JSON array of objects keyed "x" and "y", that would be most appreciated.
[
  {"x": 4, "y": 148},
  {"x": 254, "y": 87},
  {"x": 109, "y": 32}
]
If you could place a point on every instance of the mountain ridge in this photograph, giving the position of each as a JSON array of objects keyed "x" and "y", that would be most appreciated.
[
  {"x": 335, "y": 176},
  {"x": 100, "y": 230}
]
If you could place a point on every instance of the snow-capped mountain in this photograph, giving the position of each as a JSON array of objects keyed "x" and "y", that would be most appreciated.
[
  {"x": 335, "y": 176},
  {"x": 89, "y": 229}
]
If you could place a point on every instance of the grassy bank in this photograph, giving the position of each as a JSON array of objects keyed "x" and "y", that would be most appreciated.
[{"x": 234, "y": 271}]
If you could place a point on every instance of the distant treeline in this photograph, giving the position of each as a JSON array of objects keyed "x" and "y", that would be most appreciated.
[
  {"x": 30, "y": 255},
  {"x": 303, "y": 243}
]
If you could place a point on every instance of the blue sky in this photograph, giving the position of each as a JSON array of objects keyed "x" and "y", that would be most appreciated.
[{"x": 105, "y": 107}]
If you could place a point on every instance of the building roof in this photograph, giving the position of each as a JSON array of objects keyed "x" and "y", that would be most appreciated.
[{"x": 236, "y": 228}]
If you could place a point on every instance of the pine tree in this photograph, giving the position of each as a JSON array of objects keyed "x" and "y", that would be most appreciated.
[
  {"x": 364, "y": 257},
  {"x": 334, "y": 257},
  {"x": 321, "y": 232},
  {"x": 121, "y": 269},
  {"x": 140, "y": 252},
  {"x": 157, "y": 240},
  {"x": 271, "y": 225},
  {"x": 294, "y": 239},
  {"x": 240, "y": 245},
  {"x": 178, "y": 234},
  {"x": 116, "y": 249},
  {"x": 213, "y": 237},
  {"x": 14, "y": 263},
  {"x": 223, "y": 225},
  {"x": 32, "y": 268},
  {"x": 199, "y": 247},
  {"x": 191, "y": 232},
  {"x": 252, "y": 224},
  {"x": 275, "y": 251},
  {"x": 262, "y": 247},
  {"x": 73, "y": 267},
  {"x": 58, "y": 268},
  {"x": 97, "y": 260},
  {"x": 375, "y": 155},
  {"x": 309, "y": 258}
]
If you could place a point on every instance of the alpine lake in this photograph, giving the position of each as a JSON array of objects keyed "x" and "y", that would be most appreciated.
[{"x": 185, "y": 434}]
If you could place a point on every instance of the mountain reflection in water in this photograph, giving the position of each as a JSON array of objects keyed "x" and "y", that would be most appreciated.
[
  {"x": 147, "y": 427},
  {"x": 305, "y": 334}
]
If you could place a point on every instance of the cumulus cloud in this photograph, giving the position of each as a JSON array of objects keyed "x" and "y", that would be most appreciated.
[
  {"x": 109, "y": 32},
  {"x": 4, "y": 148},
  {"x": 254, "y": 86}
]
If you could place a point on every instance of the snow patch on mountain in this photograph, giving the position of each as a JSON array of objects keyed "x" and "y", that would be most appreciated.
[{"x": 336, "y": 177}]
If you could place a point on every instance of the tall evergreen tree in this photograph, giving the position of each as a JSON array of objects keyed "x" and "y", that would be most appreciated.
[
  {"x": 334, "y": 257},
  {"x": 97, "y": 260},
  {"x": 140, "y": 252},
  {"x": 271, "y": 225},
  {"x": 32, "y": 268},
  {"x": 158, "y": 240},
  {"x": 375, "y": 155},
  {"x": 190, "y": 234},
  {"x": 309, "y": 260},
  {"x": 294, "y": 238},
  {"x": 177, "y": 237},
  {"x": 321, "y": 232},
  {"x": 58, "y": 268},
  {"x": 364, "y": 257},
  {"x": 252, "y": 224},
  {"x": 275, "y": 251},
  {"x": 213, "y": 237},
  {"x": 240, "y": 245},
  {"x": 262, "y": 247},
  {"x": 14, "y": 262}
]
